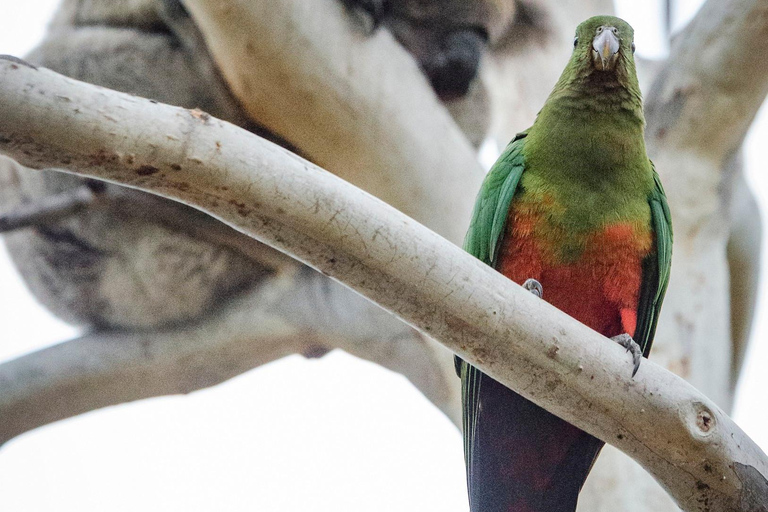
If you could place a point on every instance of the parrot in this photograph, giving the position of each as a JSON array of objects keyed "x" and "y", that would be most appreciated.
[{"x": 574, "y": 211}]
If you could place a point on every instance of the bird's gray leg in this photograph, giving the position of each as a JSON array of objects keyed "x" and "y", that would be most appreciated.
[
  {"x": 534, "y": 287},
  {"x": 626, "y": 341}
]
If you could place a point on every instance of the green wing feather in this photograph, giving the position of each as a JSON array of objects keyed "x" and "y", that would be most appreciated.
[
  {"x": 492, "y": 205},
  {"x": 482, "y": 241},
  {"x": 655, "y": 268}
]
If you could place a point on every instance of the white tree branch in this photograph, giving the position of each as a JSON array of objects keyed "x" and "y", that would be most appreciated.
[
  {"x": 355, "y": 103},
  {"x": 283, "y": 316},
  {"x": 709, "y": 91},
  {"x": 698, "y": 111},
  {"x": 700, "y": 456}
]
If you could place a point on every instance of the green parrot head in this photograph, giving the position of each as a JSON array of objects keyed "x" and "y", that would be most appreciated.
[
  {"x": 602, "y": 59},
  {"x": 604, "y": 44}
]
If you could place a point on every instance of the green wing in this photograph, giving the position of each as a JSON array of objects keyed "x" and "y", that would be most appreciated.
[
  {"x": 482, "y": 241},
  {"x": 655, "y": 268},
  {"x": 492, "y": 205}
]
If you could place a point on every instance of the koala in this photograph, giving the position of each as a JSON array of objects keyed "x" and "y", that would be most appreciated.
[
  {"x": 113, "y": 267},
  {"x": 450, "y": 39},
  {"x": 447, "y": 38}
]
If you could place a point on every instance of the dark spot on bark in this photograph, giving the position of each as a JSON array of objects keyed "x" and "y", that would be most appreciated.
[
  {"x": 707, "y": 467},
  {"x": 315, "y": 352},
  {"x": 4, "y": 140},
  {"x": 704, "y": 498},
  {"x": 552, "y": 352},
  {"x": 704, "y": 421},
  {"x": 176, "y": 167},
  {"x": 102, "y": 157},
  {"x": 620, "y": 437},
  {"x": 181, "y": 187},
  {"x": 147, "y": 170},
  {"x": 242, "y": 208}
]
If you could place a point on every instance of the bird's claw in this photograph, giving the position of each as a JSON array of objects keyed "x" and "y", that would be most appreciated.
[
  {"x": 373, "y": 10},
  {"x": 626, "y": 341},
  {"x": 534, "y": 287}
]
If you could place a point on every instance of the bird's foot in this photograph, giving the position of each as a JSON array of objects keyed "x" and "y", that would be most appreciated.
[
  {"x": 534, "y": 287},
  {"x": 372, "y": 12},
  {"x": 626, "y": 341}
]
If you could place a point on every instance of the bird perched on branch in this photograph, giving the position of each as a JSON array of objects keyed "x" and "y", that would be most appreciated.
[{"x": 573, "y": 209}]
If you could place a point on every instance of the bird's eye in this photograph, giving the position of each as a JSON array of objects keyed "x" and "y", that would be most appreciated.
[
  {"x": 633, "y": 47},
  {"x": 575, "y": 42}
]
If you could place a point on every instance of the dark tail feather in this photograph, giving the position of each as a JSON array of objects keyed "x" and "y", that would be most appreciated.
[{"x": 523, "y": 458}]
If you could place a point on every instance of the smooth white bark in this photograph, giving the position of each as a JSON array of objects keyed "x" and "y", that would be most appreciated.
[{"x": 354, "y": 103}]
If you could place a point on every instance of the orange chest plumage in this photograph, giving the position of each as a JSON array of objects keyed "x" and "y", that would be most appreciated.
[{"x": 593, "y": 276}]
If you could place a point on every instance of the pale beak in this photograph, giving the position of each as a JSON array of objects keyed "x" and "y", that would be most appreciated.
[{"x": 605, "y": 49}]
